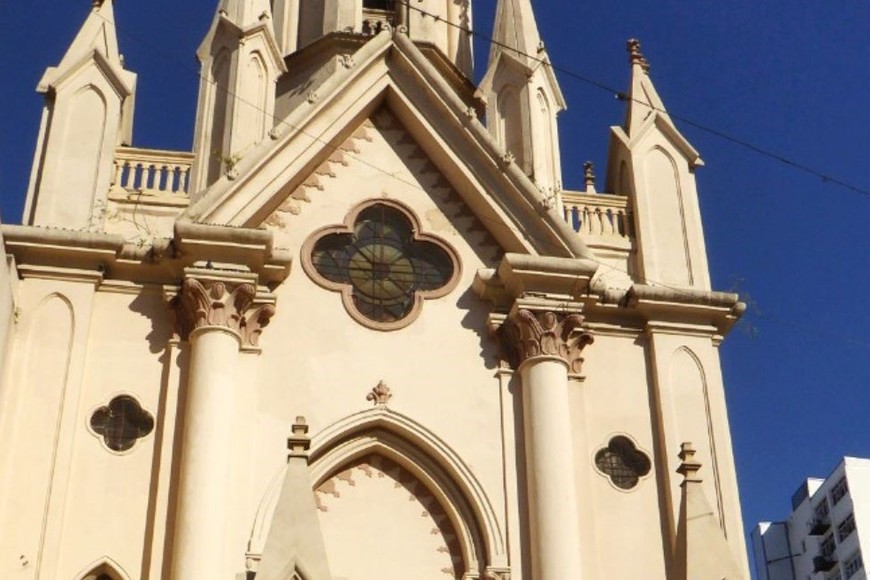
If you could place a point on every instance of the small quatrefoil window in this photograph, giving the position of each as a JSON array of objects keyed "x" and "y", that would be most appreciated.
[
  {"x": 382, "y": 265},
  {"x": 121, "y": 423},
  {"x": 622, "y": 462}
]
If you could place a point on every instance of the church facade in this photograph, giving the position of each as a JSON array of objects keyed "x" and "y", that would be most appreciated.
[{"x": 361, "y": 331}]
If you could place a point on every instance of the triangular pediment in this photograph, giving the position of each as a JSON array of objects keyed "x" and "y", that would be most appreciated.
[
  {"x": 389, "y": 73},
  {"x": 382, "y": 160}
]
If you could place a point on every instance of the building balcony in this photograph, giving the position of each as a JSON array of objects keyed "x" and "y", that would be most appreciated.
[
  {"x": 152, "y": 175},
  {"x": 819, "y": 526},
  {"x": 598, "y": 215},
  {"x": 824, "y": 563}
]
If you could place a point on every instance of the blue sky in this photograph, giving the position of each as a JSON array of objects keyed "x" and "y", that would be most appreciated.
[{"x": 788, "y": 77}]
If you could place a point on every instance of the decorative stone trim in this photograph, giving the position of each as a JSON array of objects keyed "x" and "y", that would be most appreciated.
[
  {"x": 224, "y": 303},
  {"x": 380, "y": 395},
  {"x": 527, "y": 334}
]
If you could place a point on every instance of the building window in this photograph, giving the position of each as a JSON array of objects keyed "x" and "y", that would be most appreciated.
[
  {"x": 121, "y": 423},
  {"x": 839, "y": 491},
  {"x": 622, "y": 462},
  {"x": 822, "y": 510},
  {"x": 378, "y": 14},
  {"x": 853, "y": 565},
  {"x": 846, "y": 527},
  {"x": 381, "y": 263},
  {"x": 828, "y": 547}
]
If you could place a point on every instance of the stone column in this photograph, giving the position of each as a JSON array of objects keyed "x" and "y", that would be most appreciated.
[
  {"x": 544, "y": 347},
  {"x": 215, "y": 315}
]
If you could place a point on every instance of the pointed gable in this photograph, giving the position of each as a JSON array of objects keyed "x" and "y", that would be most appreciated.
[
  {"x": 381, "y": 159},
  {"x": 97, "y": 34},
  {"x": 390, "y": 70}
]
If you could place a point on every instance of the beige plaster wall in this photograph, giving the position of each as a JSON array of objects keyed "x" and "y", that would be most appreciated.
[
  {"x": 318, "y": 362},
  {"x": 614, "y": 399},
  {"x": 112, "y": 490},
  {"x": 7, "y": 311}
]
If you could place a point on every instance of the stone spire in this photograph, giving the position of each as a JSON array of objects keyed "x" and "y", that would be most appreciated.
[
  {"x": 515, "y": 31},
  {"x": 97, "y": 34},
  {"x": 245, "y": 13},
  {"x": 523, "y": 96},
  {"x": 295, "y": 542},
  {"x": 642, "y": 98},
  {"x": 653, "y": 163},
  {"x": 241, "y": 62},
  {"x": 88, "y": 112},
  {"x": 702, "y": 551}
]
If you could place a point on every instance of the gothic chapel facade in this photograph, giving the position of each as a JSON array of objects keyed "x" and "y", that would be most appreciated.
[{"x": 360, "y": 331}]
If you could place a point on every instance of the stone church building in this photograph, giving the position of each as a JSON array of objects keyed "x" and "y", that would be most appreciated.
[{"x": 360, "y": 331}]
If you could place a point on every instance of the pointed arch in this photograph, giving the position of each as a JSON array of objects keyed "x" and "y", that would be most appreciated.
[
  {"x": 667, "y": 211},
  {"x": 402, "y": 441},
  {"x": 549, "y": 144},
  {"x": 691, "y": 395},
  {"x": 104, "y": 568}
]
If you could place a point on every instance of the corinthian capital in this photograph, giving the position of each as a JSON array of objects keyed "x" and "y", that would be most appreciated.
[
  {"x": 528, "y": 334},
  {"x": 225, "y": 303}
]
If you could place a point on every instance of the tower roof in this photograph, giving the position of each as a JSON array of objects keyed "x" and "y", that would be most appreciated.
[
  {"x": 643, "y": 99},
  {"x": 515, "y": 30},
  {"x": 97, "y": 34},
  {"x": 245, "y": 12}
]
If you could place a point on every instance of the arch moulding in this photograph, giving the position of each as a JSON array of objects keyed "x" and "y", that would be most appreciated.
[{"x": 397, "y": 437}]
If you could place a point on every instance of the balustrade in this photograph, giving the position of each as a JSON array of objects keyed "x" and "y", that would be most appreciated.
[
  {"x": 598, "y": 214},
  {"x": 153, "y": 172}
]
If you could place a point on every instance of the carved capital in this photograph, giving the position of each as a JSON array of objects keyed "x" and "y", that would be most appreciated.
[
  {"x": 229, "y": 304},
  {"x": 528, "y": 334},
  {"x": 497, "y": 573}
]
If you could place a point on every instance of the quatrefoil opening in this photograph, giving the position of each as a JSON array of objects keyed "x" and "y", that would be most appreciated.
[
  {"x": 121, "y": 423},
  {"x": 381, "y": 264},
  {"x": 622, "y": 462}
]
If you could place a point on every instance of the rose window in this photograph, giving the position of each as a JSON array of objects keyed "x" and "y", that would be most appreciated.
[{"x": 381, "y": 263}]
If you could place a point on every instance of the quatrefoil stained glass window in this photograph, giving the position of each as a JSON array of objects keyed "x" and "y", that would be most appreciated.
[
  {"x": 622, "y": 462},
  {"x": 121, "y": 423},
  {"x": 381, "y": 263}
]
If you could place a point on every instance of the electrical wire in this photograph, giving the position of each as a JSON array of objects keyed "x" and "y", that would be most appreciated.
[{"x": 542, "y": 243}]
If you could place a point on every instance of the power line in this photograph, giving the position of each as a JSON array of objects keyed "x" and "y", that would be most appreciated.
[
  {"x": 392, "y": 175},
  {"x": 825, "y": 177}
]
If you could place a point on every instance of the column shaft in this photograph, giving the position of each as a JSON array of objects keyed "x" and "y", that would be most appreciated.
[
  {"x": 203, "y": 493},
  {"x": 553, "y": 505}
]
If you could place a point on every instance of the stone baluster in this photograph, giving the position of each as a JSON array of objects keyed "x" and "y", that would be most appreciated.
[
  {"x": 544, "y": 347},
  {"x": 119, "y": 173},
  {"x": 217, "y": 317}
]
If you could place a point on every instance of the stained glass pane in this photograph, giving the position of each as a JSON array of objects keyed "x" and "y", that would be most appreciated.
[
  {"x": 383, "y": 263},
  {"x": 623, "y": 462}
]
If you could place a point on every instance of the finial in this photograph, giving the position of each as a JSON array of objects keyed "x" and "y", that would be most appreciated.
[
  {"x": 635, "y": 55},
  {"x": 380, "y": 395},
  {"x": 589, "y": 173},
  {"x": 689, "y": 467},
  {"x": 299, "y": 442}
]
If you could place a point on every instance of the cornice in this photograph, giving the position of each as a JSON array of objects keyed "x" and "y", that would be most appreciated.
[
  {"x": 567, "y": 283},
  {"x": 39, "y": 250}
]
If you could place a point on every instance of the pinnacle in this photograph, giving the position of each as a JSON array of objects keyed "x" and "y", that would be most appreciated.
[{"x": 635, "y": 55}]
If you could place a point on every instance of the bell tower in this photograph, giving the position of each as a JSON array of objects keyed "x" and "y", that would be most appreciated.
[{"x": 441, "y": 23}]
